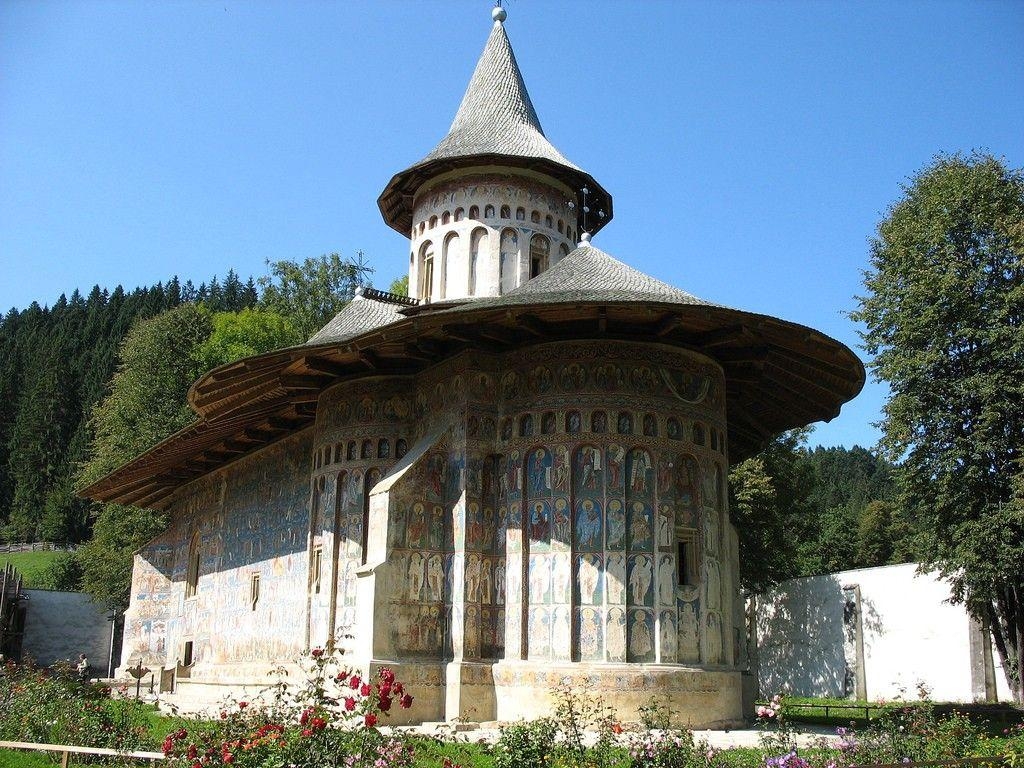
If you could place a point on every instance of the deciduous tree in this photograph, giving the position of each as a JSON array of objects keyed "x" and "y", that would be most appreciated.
[{"x": 944, "y": 317}]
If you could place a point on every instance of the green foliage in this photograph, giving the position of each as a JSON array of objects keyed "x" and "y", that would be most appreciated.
[
  {"x": 242, "y": 334},
  {"x": 311, "y": 293},
  {"x": 526, "y": 744},
  {"x": 64, "y": 573},
  {"x": 400, "y": 286},
  {"x": 54, "y": 706},
  {"x": 944, "y": 318},
  {"x": 107, "y": 558},
  {"x": 158, "y": 363}
]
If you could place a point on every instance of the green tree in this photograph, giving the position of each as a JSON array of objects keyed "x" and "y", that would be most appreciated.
[
  {"x": 768, "y": 504},
  {"x": 311, "y": 293},
  {"x": 159, "y": 360},
  {"x": 400, "y": 286},
  {"x": 943, "y": 315},
  {"x": 241, "y": 334}
]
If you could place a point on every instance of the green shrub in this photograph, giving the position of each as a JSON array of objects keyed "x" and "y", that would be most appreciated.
[{"x": 526, "y": 744}]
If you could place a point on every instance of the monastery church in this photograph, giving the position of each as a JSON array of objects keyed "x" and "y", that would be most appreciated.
[{"x": 512, "y": 480}]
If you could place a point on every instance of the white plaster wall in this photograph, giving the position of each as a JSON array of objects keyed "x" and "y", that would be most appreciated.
[
  {"x": 912, "y": 635},
  {"x": 61, "y": 625}
]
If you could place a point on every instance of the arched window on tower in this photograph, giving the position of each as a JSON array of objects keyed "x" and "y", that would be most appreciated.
[
  {"x": 520, "y": 214},
  {"x": 508, "y": 266},
  {"x": 451, "y": 249},
  {"x": 489, "y": 212},
  {"x": 432, "y": 223},
  {"x": 478, "y": 244},
  {"x": 460, "y": 214},
  {"x": 539, "y": 254},
  {"x": 548, "y": 222},
  {"x": 535, "y": 217},
  {"x": 426, "y": 287},
  {"x": 474, "y": 212},
  {"x": 446, "y": 218},
  {"x": 506, "y": 212}
]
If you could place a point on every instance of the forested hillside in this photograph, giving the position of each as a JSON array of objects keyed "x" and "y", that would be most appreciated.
[{"x": 55, "y": 362}]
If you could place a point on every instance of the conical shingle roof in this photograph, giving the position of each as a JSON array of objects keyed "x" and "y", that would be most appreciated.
[{"x": 496, "y": 124}]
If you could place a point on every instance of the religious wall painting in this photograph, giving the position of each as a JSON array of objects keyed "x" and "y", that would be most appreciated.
[
  {"x": 640, "y": 632},
  {"x": 499, "y": 581},
  {"x": 667, "y": 637},
  {"x": 713, "y": 584},
  {"x": 435, "y": 535},
  {"x": 486, "y": 580},
  {"x": 599, "y": 422},
  {"x": 615, "y": 577},
  {"x": 607, "y": 377},
  {"x": 561, "y": 633},
  {"x": 539, "y": 525},
  {"x": 616, "y": 524},
  {"x": 616, "y": 634},
  {"x": 650, "y": 428},
  {"x": 688, "y": 635},
  {"x": 588, "y": 579},
  {"x": 573, "y": 422},
  {"x": 640, "y": 525},
  {"x": 640, "y": 580},
  {"x": 415, "y": 577},
  {"x": 561, "y": 523},
  {"x": 644, "y": 380},
  {"x": 511, "y": 386},
  {"x": 710, "y": 532},
  {"x": 588, "y": 471},
  {"x": 472, "y": 632},
  {"x": 539, "y": 630},
  {"x": 639, "y": 473},
  {"x": 590, "y": 631},
  {"x": 674, "y": 429},
  {"x": 588, "y": 526},
  {"x": 615, "y": 457},
  {"x": 665, "y": 527},
  {"x": 540, "y": 579},
  {"x": 476, "y": 531},
  {"x": 560, "y": 469},
  {"x": 416, "y": 531},
  {"x": 713, "y": 639},
  {"x": 572, "y": 377},
  {"x": 666, "y": 579},
  {"x": 540, "y": 380},
  {"x": 561, "y": 579}
]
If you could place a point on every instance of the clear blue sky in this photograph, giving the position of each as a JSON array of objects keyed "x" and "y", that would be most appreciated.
[{"x": 751, "y": 148}]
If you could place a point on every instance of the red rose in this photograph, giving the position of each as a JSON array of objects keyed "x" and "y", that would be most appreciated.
[
  {"x": 406, "y": 701},
  {"x": 306, "y": 732},
  {"x": 243, "y": 704},
  {"x": 319, "y": 723},
  {"x": 350, "y": 703},
  {"x": 316, "y": 653},
  {"x": 386, "y": 675},
  {"x": 384, "y": 689},
  {"x": 355, "y": 682},
  {"x": 365, "y": 689},
  {"x": 384, "y": 702},
  {"x": 370, "y": 720}
]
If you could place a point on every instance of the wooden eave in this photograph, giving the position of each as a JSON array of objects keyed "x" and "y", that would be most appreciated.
[{"x": 778, "y": 376}]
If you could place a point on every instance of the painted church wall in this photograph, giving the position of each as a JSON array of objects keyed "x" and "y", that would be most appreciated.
[{"x": 246, "y": 528}]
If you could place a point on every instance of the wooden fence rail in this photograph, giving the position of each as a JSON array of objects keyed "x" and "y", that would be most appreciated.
[
  {"x": 65, "y": 751},
  {"x": 964, "y": 762},
  {"x": 36, "y": 546}
]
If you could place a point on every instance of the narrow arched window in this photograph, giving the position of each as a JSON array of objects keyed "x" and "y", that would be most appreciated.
[
  {"x": 489, "y": 212},
  {"x": 561, "y": 226},
  {"x": 526, "y": 425},
  {"x": 400, "y": 448},
  {"x": 520, "y": 214},
  {"x": 351, "y": 450},
  {"x": 446, "y": 218},
  {"x": 451, "y": 249},
  {"x": 506, "y": 212},
  {"x": 535, "y": 217},
  {"x": 432, "y": 223},
  {"x": 509, "y": 260},
  {"x": 367, "y": 450},
  {"x": 383, "y": 448},
  {"x": 563, "y": 251},
  {"x": 423, "y": 226},
  {"x": 474, "y": 212},
  {"x": 539, "y": 250},
  {"x": 426, "y": 288},
  {"x": 460, "y": 214},
  {"x": 478, "y": 243},
  {"x": 698, "y": 434},
  {"x": 548, "y": 222},
  {"x": 192, "y": 571}
]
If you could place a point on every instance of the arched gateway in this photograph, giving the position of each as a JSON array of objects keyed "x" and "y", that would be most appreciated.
[{"x": 511, "y": 481}]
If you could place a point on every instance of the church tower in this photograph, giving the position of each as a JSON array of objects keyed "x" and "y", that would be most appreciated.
[{"x": 494, "y": 204}]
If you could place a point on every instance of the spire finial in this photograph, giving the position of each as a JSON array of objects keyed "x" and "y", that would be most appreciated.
[{"x": 498, "y": 14}]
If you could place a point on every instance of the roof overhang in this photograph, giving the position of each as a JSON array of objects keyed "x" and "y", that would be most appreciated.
[{"x": 778, "y": 375}]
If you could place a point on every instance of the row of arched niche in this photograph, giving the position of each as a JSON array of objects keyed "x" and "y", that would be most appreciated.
[{"x": 506, "y": 213}]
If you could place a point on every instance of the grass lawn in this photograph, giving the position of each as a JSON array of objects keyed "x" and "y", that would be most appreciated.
[
  {"x": 31, "y": 565},
  {"x": 16, "y": 758}
]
